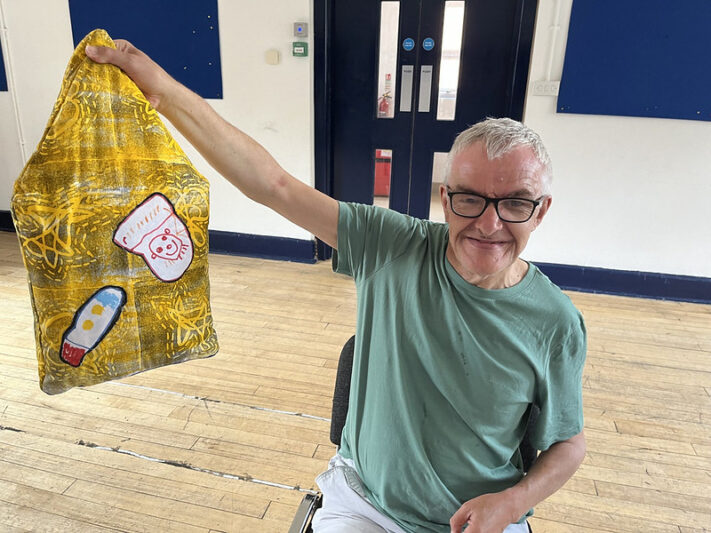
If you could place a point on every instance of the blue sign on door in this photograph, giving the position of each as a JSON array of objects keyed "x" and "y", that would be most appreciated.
[
  {"x": 408, "y": 44},
  {"x": 428, "y": 44}
]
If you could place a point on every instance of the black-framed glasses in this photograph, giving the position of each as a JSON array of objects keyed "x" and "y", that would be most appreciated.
[{"x": 470, "y": 205}]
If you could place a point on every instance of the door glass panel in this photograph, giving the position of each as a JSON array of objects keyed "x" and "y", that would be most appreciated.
[
  {"x": 449, "y": 62},
  {"x": 387, "y": 59},
  {"x": 439, "y": 167},
  {"x": 383, "y": 166}
]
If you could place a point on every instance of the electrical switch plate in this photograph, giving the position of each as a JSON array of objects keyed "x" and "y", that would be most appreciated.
[
  {"x": 546, "y": 88},
  {"x": 272, "y": 57},
  {"x": 301, "y": 29},
  {"x": 299, "y": 49}
]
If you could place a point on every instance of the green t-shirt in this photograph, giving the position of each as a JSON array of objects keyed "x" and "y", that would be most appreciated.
[{"x": 444, "y": 371}]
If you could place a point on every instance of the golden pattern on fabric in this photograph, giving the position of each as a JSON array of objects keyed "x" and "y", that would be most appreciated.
[{"x": 112, "y": 222}]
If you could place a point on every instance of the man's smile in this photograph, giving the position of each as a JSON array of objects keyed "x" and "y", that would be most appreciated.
[{"x": 486, "y": 244}]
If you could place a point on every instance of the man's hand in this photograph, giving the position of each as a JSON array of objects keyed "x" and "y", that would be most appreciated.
[
  {"x": 151, "y": 79},
  {"x": 492, "y": 513},
  {"x": 489, "y": 513}
]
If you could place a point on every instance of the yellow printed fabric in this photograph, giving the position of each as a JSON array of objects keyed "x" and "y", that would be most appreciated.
[{"x": 112, "y": 221}]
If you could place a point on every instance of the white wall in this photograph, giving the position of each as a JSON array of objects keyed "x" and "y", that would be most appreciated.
[
  {"x": 629, "y": 193},
  {"x": 10, "y": 158},
  {"x": 273, "y": 103}
]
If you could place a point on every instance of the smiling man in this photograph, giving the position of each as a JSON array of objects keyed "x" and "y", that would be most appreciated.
[
  {"x": 456, "y": 335},
  {"x": 515, "y": 180}
]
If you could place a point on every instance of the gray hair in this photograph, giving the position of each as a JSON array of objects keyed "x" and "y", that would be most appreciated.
[{"x": 500, "y": 136}]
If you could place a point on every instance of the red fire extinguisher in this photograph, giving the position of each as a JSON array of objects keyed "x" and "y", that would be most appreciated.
[
  {"x": 384, "y": 101},
  {"x": 383, "y": 106}
]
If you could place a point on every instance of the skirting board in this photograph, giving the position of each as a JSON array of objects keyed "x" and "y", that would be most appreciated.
[
  {"x": 298, "y": 250},
  {"x": 629, "y": 283},
  {"x": 568, "y": 277},
  {"x": 6, "y": 221}
]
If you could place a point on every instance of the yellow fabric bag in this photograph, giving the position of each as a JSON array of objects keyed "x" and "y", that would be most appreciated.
[{"x": 112, "y": 222}]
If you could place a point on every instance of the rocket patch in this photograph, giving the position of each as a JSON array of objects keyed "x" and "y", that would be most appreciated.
[
  {"x": 91, "y": 323},
  {"x": 153, "y": 231}
]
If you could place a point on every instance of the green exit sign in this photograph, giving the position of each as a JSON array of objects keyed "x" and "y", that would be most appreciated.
[{"x": 299, "y": 49}]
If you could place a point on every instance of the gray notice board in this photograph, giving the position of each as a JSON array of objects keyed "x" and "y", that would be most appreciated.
[{"x": 640, "y": 58}]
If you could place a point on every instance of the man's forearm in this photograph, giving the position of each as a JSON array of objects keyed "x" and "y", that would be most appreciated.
[
  {"x": 235, "y": 155},
  {"x": 493, "y": 512},
  {"x": 549, "y": 473}
]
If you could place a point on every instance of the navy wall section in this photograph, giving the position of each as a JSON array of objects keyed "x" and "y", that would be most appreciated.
[
  {"x": 299, "y": 250},
  {"x": 641, "y": 58},
  {"x": 180, "y": 35},
  {"x": 3, "y": 78},
  {"x": 6, "y": 221},
  {"x": 629, "y": 283}
]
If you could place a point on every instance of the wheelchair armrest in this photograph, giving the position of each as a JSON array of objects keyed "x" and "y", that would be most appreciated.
[{"x": 305, "y": 513}]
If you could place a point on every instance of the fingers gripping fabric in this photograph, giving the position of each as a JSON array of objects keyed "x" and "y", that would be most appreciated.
[{"x": 112, "y": 222}]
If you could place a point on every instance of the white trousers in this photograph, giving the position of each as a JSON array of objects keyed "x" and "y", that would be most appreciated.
[{"x": 346, "y": 509}]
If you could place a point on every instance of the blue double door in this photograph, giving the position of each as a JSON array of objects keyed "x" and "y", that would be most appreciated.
[{"x": 405, "y": 77}]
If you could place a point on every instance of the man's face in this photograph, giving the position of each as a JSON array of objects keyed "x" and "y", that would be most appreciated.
[{"x": 485, "y": 250}]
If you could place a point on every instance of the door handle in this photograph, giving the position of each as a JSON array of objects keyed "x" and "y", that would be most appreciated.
[
  {"x": 423, "y": 105},
  {"x": 406, "y": 88}
]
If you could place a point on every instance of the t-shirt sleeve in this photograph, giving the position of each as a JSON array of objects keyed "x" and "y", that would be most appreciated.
[
  {"x": 560, "y": 394},
  {"x": 370, "y": 237}
]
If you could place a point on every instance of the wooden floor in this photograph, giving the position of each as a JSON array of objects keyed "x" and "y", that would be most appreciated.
[{"x": 231, "y": 443}]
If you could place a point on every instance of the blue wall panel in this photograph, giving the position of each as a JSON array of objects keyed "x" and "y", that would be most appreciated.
[
  {"x": 180, "y": 35},
  {"x": 3, "y": 79},
  {"x": 643, "y": 58}
]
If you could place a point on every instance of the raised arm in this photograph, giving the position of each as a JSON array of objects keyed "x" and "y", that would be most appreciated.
[{"x": 235, "y": 155}]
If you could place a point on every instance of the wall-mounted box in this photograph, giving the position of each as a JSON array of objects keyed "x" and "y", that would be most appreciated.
[{"x": 300, "y": 49}]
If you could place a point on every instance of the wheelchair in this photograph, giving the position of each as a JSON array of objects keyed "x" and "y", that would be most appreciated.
[{"x": 312, "y": 502}]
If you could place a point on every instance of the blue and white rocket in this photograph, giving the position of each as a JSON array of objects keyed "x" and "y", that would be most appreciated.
[{"x": 91, "y": 323}]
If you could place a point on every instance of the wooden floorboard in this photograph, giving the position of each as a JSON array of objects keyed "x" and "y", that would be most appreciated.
[{"x": 229, "y": 443}]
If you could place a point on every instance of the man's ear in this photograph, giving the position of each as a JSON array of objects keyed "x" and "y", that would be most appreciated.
[
  {"x": 444, "y": 199},
  {"x": 542, "y": 210}
]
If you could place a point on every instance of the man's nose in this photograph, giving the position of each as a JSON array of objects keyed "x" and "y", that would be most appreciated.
[{"x": 489, "y": 221}]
